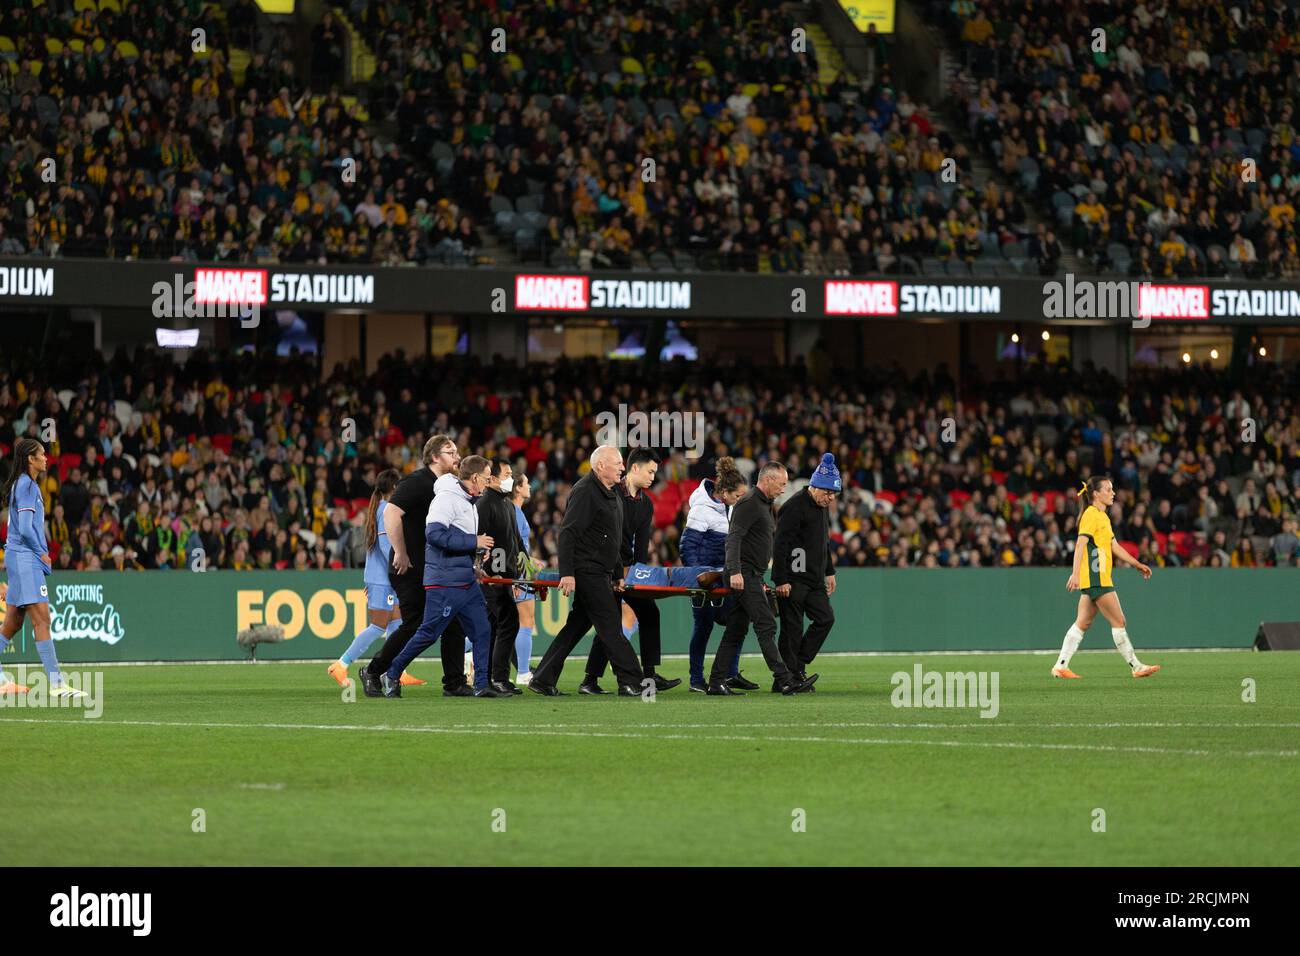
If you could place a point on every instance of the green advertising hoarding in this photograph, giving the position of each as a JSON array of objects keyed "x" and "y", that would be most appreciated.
[{"x": 185, "y": 616}]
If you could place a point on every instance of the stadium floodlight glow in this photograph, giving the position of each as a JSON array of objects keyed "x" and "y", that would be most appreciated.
[
  {"x": 177, "y": 338},
  {"x": 1214, "y": 353},
  {"x": 1047, "y": 336},
  {"x": 1015, "y": 337},
  {"x": 1187, "y": 358},
  {"x": 1262, "y": 351}
]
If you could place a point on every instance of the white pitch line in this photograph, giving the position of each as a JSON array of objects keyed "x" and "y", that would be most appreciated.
[{"x": 868, "y": 741}]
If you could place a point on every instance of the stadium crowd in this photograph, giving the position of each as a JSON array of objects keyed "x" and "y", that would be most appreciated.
[
  {"x": 153, "y": 460},
  {"x": 161, "y": 152},
  {"x": 1158, "y": 136},
  {"x": 166, "y": 151}
]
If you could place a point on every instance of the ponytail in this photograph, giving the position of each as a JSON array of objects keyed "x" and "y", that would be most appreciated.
[
  {"x": 384, "y": 485},
  {"x": 1089, "y": 488}
]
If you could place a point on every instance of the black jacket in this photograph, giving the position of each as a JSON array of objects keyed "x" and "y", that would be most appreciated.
[
  {"x": 592, "y": 530},
  {"x": 749, "y": 539},
  {"x": 638, "y": 522},
  {"x": 496, "y": 517},
  {"x": 803, "y": 540}
]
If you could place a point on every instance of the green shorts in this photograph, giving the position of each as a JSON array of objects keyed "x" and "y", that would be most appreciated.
[{"x": 1096, "y": 592}]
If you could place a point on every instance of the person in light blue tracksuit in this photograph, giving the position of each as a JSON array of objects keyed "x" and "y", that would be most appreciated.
[
  {"x": 704, "y": 542},
  {"x": 452, "y": 543}
]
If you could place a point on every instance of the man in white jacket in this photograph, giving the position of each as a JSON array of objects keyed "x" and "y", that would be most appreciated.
[{"x": 452, "y": 543}]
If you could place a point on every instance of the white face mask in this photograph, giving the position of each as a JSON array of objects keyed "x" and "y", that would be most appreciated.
[{"x": 507, "y": 484}]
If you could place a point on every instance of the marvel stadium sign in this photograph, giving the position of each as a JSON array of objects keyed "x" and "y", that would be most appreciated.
[
  {"x": 562, "y": 293},
  {"x": 893, "y": 298},
  {"x": 26, "y": 281},
  {"x": 106, "y": 284},
  {"x": 249, "y": 287}
]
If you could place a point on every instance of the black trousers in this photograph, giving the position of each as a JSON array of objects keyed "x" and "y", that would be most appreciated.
[
  {"x": 751, "y": 606},
  {"x": 410, "y": 598},
  {"x": 647, "y": 619},
  {"x": 594, "y": 605},
  {"x": 799, "y": 648},
  {"x": 503, "y": 614}
]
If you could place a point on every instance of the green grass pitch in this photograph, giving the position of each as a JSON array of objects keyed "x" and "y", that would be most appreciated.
[{"x": 286, "y": 772}]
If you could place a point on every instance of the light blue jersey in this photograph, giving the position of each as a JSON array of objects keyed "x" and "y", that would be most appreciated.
[
  {"x": 26, "y": 519},
  {"x": 522, "y": 524},
  {"x": 379, "y": 557},
  {"x": 26, "y": 545}
]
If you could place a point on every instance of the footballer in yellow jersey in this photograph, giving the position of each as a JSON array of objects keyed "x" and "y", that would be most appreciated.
[{"x": 1095, "y": 554}]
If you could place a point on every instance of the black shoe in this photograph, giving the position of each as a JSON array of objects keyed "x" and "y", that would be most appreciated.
[
  {"x": 492, "y": 690},
  {"x": 546, "y": 690},
  {"x": 626, "y": 690},
  {"x": 699, "y": 688},
  {"x": 391, "y": 688},
  {"x": 591, "y": 687},
  {"x": 370, "y": 682},
  {"x": 506, "y": 687},
  {"x": 776, "y": 685},
  {"x": 663, "y": 683},
  {"x": 740, "y": 683},
  {"x": 458, "y": 690},
  {"x": 796, "y": 686},
  {"x": 723, "y": 689},
  {"x": 808, "y": 682}
]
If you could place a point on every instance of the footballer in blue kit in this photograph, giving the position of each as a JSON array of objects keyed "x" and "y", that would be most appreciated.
[
  {"x": 381, "y": 600},
  {"x": 27, "y": 563}
]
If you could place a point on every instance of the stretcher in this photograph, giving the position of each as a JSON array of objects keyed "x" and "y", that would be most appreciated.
[{"x": 703, "y": 585}]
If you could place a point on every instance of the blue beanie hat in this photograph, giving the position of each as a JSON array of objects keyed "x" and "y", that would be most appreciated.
[{"x": 827, "y": 476}]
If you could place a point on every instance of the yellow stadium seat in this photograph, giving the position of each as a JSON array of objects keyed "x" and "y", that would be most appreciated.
[
  {"x": 514, "y": 62},
  {"x": 704, "y": 66},
  {"x": 77, "y": 45},
  {"x": 34, "y": 67},
  {"x": 53, "y": 46},
  {"x": 630, "y": 65},
  {"x": 7, "y": 48},
  {"x": 468, "y": 61},
  {"x": 750, "y": 90},
  {"x": 80, "y": 5},
  {"x": 128, "y": 50},
  {"x": 98, "y": 44},
  {"x": 110, "y": 5},
  {"x": 778, "y": 88}
]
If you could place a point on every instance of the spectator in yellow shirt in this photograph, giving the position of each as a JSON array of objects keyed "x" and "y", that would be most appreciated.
[
  {"x": 1281, "y": 211},
  {"x": 977, "y": 30}
]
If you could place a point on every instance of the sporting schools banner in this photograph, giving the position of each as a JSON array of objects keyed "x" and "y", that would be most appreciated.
[
  {"x": 182, "y": 615},
  {"x": 180, "y": 289}
]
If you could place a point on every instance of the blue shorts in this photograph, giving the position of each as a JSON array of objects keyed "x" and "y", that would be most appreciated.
[
  {"x": 380, "y": 597},
  {"x": 26, "y": 579}
]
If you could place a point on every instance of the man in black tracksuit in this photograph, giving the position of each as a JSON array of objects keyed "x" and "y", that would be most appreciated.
[
  {"x": 638, "y": 523},
  {"x": 749, "y": 550},
  {"x": 496, "y": 517},
  {"x": 803, "y": 568},
  {"x": 590, "y": 536},
  {"x": 404, "y": 520}
]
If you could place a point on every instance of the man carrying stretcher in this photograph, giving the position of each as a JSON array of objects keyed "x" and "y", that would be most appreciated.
[{"x": 638, "y": 521}]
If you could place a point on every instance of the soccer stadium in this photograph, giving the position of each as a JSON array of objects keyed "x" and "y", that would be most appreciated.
[{"x": 375, "y": 374}]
